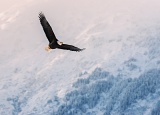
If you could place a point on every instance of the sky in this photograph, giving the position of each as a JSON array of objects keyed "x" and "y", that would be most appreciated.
[{"x": 5, "y": 4}]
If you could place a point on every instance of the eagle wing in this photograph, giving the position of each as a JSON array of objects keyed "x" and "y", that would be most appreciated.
[
  {"x": 70, "y": 47},
  {"x": 47, "y": 28}
]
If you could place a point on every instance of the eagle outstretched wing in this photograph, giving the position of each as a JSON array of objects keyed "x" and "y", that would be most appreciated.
[
  {"x": 70, "y": 47},
  {"x": 47, "y": 28}
]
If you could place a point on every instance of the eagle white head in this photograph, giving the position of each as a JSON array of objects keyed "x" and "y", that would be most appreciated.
[
  {"x": 48, "y": 49},
  {"x": 60, "y": 43}
]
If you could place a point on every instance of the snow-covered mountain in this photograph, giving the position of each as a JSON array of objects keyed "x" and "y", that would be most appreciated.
[{"x": 117, "y": 74}]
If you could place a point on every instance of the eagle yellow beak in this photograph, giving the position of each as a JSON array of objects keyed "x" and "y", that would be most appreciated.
[{"x": 48, "y": 49}]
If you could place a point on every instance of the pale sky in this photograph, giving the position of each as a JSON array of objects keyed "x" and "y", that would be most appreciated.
[{"x": 6, "y": 4}]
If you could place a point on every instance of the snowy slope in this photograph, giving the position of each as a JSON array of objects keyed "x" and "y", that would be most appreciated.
[{"x": 117, "y": 74}]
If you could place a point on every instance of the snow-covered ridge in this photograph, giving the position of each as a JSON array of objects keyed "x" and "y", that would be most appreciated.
[
  {"x": 122, "y": 54},
  {"x": 102, "y": 92}
]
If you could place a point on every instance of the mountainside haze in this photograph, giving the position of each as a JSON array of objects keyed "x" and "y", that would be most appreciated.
[{"x": 117, "y": 74}]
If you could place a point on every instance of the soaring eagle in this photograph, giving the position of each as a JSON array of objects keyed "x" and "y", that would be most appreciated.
[{"x": 53, "y": 41}]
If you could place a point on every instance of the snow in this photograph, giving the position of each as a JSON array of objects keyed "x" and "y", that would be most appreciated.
[{"x": 120, "y": 37}]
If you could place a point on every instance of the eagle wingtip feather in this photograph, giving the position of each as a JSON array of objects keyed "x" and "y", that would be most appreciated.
[{"x": 41, "y": 15}]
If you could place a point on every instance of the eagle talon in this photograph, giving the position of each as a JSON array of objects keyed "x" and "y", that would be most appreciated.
[{"x": 48, "y": 49}]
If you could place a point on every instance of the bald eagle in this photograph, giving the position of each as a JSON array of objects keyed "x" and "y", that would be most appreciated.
[{"x": 53, "y": 41}]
